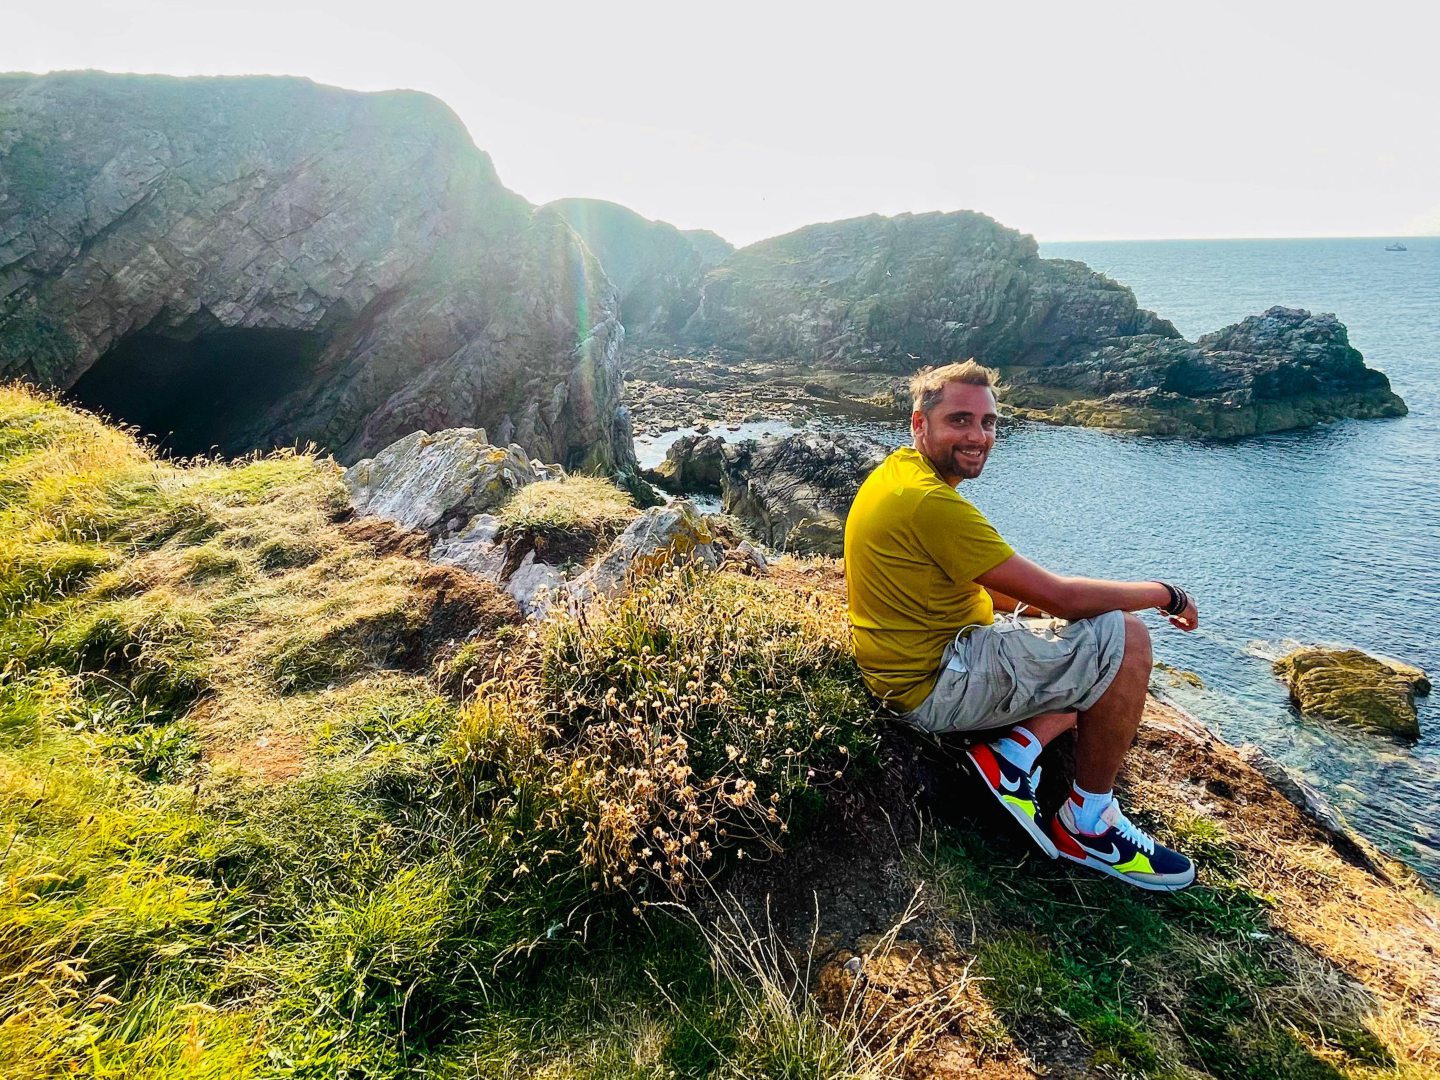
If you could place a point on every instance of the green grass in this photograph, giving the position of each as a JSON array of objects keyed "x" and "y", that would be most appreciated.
[
  {"x": 567, "y": 519},
  {"x": 249, "y": 828},
  {"x": 413, "y": 898},
  {"x": 1156, "y": 985}
]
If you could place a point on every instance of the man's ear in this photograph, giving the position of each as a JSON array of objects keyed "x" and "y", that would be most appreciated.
[{"x": 917, "y": 422}]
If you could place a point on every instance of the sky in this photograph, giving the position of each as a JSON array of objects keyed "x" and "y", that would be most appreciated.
[{"x": 1069, "y": 121}]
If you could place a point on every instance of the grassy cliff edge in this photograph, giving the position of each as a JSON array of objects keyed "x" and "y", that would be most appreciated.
[{"x": 278, "y": 797}]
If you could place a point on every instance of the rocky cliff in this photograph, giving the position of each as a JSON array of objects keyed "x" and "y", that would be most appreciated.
[
  {"x": 883, "y": 296},
  {"x": 891, "y": 293},
  {"x": 250, "y": 262},
  {"x": 656, "y": 268}
]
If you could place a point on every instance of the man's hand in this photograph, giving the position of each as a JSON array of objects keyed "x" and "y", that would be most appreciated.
[{"x": 1188, "y": 619}]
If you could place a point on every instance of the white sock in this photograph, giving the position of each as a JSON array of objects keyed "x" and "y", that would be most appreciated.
[
  {"x": 1087, "y": 806},
  {"x": 1019, "y": 747}
]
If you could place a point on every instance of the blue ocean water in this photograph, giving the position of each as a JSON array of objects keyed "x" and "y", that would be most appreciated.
[{"x": 1325, "y": 536}]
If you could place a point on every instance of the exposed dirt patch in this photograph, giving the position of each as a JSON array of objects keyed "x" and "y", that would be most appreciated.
[
  {"x": 271, "y": 757},
  {"x": 902, "y": 992},
  {"x": 387, "y": 538},
  {"x": 461, "y": 604}
]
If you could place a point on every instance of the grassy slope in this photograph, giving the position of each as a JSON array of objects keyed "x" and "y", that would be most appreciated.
[{"x": 261, "y": 816}]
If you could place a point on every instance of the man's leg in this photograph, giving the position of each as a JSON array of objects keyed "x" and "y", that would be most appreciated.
[
  {"x": 1107, "y": 729},
  {"x": 1022, "y": 743},
  {"x": 1090, "y": 827},
  {"x": 1007, "y": 767}
]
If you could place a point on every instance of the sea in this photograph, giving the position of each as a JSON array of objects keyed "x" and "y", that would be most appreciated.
[{"x": 1327, "y": 536}]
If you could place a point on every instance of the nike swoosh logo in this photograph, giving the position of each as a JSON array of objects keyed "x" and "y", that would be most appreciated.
[
  {"x": 1112, "y": 856},
  {"x": 1010, "y": 785}
]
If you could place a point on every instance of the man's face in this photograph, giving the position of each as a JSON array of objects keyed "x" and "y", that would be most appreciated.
[{"x": 958, "y": 431}]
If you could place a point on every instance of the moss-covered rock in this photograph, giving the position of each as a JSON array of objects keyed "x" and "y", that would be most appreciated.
[{"x": 1353, "y": 687}]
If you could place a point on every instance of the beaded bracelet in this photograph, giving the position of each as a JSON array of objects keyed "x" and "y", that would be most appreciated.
[{"x": 1179, "y": 601}]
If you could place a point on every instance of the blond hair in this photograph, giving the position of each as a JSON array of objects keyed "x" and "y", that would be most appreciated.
[{"x": 929, "y": 383}]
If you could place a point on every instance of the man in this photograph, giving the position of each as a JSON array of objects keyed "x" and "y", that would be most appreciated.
[{"x": 925, "y": 573}]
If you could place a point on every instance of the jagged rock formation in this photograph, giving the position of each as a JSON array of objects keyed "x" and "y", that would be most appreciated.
[
  {"x": 793, "y": 492},
  {"x": 895, "y": 293},
  {"x": 251, "y": 262},
  {"x": 1284, "y": 369},
  {"x": 1352, "y": 687},
  {"x": 656, "y": 268},
  {"x": 439, "y": 482},
  {"x": 448, "y": 484},
  {"x": 713, "y": 248},
  {"x": 879, "y": 295}
]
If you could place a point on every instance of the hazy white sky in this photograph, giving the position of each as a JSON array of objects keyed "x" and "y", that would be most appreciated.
[{"x": 1066, "y": 120}]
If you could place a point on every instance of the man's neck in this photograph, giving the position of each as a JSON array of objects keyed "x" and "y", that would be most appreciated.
[{"x": 953, "y": 482}]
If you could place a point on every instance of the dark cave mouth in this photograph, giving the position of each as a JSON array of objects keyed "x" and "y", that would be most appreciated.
[{"x": 201, "y": 395}]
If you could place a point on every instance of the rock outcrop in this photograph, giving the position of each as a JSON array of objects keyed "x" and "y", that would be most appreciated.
[
  {"x": 1284, "y": 369},
  {"x": 253, "y": 262},
  {"x": 663, "y": 535},
  {"x": 452, "y": 484},
  {"x": 793, "y": 492},
  {"x": 836, "y": 305},
  {"x": 439, "y": 482},
  {"x": 1352, "y": 687},
  {"x": 713, "y": 248},
  {"x": 895, "y": 293}
]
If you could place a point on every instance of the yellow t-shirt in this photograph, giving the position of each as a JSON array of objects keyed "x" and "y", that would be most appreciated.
[{"x": 913, "y": 548}]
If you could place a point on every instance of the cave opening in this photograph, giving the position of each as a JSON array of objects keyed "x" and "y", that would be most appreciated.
[{"x": 202, "y": 395}]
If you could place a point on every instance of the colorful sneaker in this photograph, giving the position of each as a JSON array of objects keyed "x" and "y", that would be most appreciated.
[
  {"x": 1123, "y": 850},
  {"x": 1014, "y": 788}
]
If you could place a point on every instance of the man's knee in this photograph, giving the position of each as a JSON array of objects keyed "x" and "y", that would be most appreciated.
[{"x": 1138, "y": 654}]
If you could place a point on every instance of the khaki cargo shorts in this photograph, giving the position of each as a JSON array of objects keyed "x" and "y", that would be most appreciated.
[{"x": 997, "y": 675}]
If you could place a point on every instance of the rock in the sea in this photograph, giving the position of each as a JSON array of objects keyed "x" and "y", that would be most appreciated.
[
  {"x": 1284, "y": 369},
  {"x": 794, "y": 492},
  {"x": 1352, "y": 687},
  {"x": 253, "y": 262},
  {"x": 439, "y": 482}
]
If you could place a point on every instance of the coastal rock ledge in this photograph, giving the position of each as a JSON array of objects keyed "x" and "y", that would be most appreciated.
[{"x": 843, "y": 312}]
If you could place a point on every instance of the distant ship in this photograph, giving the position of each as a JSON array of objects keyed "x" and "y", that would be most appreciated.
[{"x": 1397, "y": 246}]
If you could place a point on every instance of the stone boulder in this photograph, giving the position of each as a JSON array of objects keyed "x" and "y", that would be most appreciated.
[
  {"x": 694, "y": 464},
  {"x": 664, "y": 535},
  {"x": 246, "y": 263},
  {"x": 439, "y": 482},
  {"x": 450, "y": 483},
  {"x": 793, "y": 492},
  {"x": 1352, "y": 687}
]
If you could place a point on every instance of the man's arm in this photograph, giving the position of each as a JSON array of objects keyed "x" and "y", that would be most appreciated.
[
  {"x": 1005, "y": 602},
  {"x": 1079, "y": 598}
]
